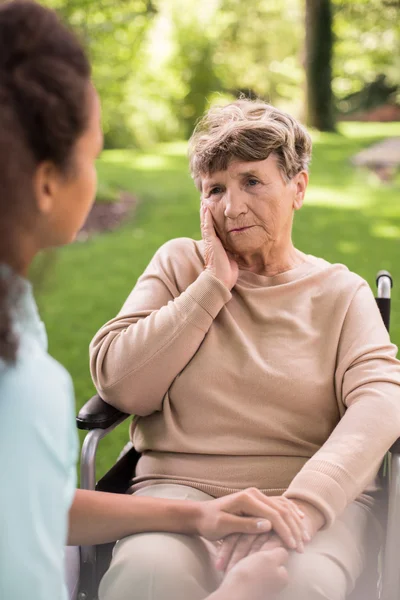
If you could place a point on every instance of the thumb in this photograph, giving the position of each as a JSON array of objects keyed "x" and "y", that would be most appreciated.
[{"x": 250, "y": 525}]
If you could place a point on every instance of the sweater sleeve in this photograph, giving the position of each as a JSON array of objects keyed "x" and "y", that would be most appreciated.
[
  {"x": 367, "y": 381},
  {"x": 135, "y": 357}
]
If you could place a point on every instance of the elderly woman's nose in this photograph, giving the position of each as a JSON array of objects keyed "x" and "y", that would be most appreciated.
[{"x": 235, "y": 204}]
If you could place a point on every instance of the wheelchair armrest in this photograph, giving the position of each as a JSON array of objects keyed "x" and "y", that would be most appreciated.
[
  {"x": 395, "y": 449},
  {"x": 97, "y": 414}
]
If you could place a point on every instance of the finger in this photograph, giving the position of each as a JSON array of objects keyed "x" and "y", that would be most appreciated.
[
  {"x": 295, "y": 522},
  {"x": 258, "y": 544},
  {"x": 280, "y": 555},
  {"x": 283, "y": 575},
  {"x": 202, "y": 216},
  {"x": 285, "y": 503},
  {"x": 292, "y": 519},
  {"x": 299, "y": 515},
  {"x": 234, "y": 524},
  {"x": 297, "y": 512},
  {"x": 225, "y": 551},
  {"x": 207, "y": 226},
  {"x": 272, "y": 543},
  {"x": 281, "y": 499},
  {"x": 293, "y": 505},
  {"x": 253, "y": 502},
  {"x": 241, "y": 550},
  {"x": 210, "y": 222},
  {"x": 285, "y": 526},
  {"x": 255, "y": 545}
]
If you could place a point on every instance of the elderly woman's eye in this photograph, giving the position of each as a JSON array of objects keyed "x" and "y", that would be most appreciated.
[
  {"x": 215, "y": 190},
  {"x": 252, "y": 182}
]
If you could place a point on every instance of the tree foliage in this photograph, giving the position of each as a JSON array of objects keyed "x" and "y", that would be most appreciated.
[
  {"x": 159, "y": 63},
  {"x": 367, "y": 49},
  {"x": 113, "y": 33}
]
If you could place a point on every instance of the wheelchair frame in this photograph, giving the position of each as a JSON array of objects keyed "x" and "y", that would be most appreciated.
[{"x": 100, "y": 419}]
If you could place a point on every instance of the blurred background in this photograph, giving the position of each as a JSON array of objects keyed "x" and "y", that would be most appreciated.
[{"x": 158, "y": 65}]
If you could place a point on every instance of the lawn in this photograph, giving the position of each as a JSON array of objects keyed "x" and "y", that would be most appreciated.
[{"x": 348, "y": 217}]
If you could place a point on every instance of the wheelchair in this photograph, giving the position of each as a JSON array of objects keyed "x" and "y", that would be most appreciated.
[{"x": 382, "y": 582}]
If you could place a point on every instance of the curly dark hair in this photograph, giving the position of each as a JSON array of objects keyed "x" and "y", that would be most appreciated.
[{"x": 44, "y": 78}]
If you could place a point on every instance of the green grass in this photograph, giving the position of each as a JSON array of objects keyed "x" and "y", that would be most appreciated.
[
  {"x": 348, "y": 217},
  {"x": 106, "y": 192}
]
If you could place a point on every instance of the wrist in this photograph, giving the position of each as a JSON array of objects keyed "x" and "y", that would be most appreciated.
[
  {"x": 178, "y": 516},
  {"x": 315, "y": 519},
  {"x": 222, "y": 280},
  {"x": 189, "y": 515}
]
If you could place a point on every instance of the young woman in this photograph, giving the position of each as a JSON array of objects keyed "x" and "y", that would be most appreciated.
[{"x": 50, "y": 136}]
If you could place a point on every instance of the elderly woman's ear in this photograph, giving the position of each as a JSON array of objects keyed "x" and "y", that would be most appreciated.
[{"x": 300, "y": 182}]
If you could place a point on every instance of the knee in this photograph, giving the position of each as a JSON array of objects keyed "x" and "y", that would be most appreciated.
[
  {"x": 315, "y": 577},
  {"x": 154, "y": 566}
]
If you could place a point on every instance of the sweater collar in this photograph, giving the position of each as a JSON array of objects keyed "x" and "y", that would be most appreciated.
[{"x": 298, "y": 272}]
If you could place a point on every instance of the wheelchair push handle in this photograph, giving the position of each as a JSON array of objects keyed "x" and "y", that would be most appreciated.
[{"x": 384, "y": 282}]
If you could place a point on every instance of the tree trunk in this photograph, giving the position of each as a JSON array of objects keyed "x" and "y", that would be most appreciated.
[{"x": 319, "y": 45}]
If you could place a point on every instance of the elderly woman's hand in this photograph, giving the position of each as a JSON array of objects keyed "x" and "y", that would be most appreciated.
[
  {"x": 237, "y": 546},
  {"x": 231, "y": 515},
  {"x": 216, "y": 258}
]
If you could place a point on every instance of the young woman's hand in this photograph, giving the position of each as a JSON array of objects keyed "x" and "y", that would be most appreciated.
[
  {"x": 255, "y": 576},
  {"x": 251, "y": 512},
  {"x": 217, "y": 259}
]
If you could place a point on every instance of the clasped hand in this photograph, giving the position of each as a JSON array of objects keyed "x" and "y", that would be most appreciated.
[{"x": 301, "y": 522}]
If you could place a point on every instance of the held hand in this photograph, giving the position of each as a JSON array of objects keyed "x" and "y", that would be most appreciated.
[
  {"x": 251, "y": 512},
  {"x": 217, "y": 259},
  {"x": 290, "y": 527},
  {"x": 314, "y": 520},
  {"x": 253, "y": 575},
  {"x": 235, "y": 547}
]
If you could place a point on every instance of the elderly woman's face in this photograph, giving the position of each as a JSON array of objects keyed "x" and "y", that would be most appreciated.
[{"x": 252, "y": 205}]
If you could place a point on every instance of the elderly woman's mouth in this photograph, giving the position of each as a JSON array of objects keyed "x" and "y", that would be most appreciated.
[{"x": 240, "y": 229}]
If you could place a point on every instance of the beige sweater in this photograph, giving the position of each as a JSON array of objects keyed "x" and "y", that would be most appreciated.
[{"x": 287, "y": 383}]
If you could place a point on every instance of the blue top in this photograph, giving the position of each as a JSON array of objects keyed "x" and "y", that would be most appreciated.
[{"x": 38, "y": 451}]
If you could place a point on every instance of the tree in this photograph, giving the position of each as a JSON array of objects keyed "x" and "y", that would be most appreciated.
[
  {"x": 113, "y": 34},
  {"x": 318, "y": 64},
  {"x": 258, "y": 49},
  {"x": 366, "y": 67},
  {"x": 158, "y": 64}
]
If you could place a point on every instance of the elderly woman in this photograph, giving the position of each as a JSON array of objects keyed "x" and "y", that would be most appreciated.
[
  {"x": 50, "y": 137},
  {"x": 250, "y": 363}
]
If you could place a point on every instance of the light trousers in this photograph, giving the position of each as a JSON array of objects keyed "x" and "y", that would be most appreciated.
[{"x": 166, "y": 566}]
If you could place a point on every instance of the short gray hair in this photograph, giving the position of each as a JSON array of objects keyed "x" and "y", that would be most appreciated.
[{"x": 248, "y": 130}]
